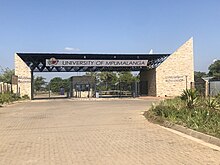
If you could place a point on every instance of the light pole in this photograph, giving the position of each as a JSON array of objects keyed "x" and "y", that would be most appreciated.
[{"x": 186, "y": 81}]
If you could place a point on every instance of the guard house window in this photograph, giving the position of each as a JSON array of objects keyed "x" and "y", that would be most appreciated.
[
  {"x": 78, "y": 87},
  {"x": 82, "y": 87}
]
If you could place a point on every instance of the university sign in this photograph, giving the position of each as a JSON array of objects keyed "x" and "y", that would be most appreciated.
[{"x": 91, "y": 63}]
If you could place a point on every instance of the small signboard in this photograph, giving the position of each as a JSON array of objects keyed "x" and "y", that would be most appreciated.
[{"x": 14, "y": 80}]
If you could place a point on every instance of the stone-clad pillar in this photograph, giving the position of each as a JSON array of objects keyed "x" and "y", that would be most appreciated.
[
  {"x": 176, "y": 73},
  {"x": 24, "y": 76},
  {"x": 172, "y": 76},
  {"x": 148, "y": 82}
]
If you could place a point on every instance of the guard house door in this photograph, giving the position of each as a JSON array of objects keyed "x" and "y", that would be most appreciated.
[{"x": 144, "y": 88}]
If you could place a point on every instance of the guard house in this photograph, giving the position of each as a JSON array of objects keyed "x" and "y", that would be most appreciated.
[
  {"x": 160, "y": 74},
  {"x": 82, "y": 86}
]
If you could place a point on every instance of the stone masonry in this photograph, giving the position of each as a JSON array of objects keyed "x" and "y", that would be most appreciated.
[
  {"x": 150, "y": 77},
  {"x": 177, "y": 72},
  {"x": 24, "y": 76},
  {"x": 174, "y": 75}
]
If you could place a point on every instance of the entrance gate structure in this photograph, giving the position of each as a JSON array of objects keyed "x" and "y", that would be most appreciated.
[{"x": 160, "y": 74}]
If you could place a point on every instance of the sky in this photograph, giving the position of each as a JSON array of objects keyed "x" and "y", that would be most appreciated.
[{"x": 110, "y": 26}]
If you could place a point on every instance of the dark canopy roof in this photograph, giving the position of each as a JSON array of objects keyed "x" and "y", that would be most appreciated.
[{"x": 37, "y": 61}]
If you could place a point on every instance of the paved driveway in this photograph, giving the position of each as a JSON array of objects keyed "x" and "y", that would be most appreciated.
[{"x": 93, "y": 133}]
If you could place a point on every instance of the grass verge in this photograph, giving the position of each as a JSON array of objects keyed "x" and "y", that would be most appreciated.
[
  {"x": 203, "y": 115},
  {"x": 6, "y": 98}
]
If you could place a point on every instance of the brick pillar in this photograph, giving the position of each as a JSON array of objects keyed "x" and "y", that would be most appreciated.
[{"x": 206, "y": 88}]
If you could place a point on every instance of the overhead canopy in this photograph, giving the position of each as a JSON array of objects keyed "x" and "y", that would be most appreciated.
[{"x": 90, "y": 62}]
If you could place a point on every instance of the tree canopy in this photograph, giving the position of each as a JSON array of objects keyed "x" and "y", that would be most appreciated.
[
  {"x": 113, "y": 77},
  {"x": 113, "y": 80},
  {"x": 110, "y": 77},
  {"x": 39, "y": 83},
  {"x": 57, "y": 82},
  {"x": 198, "y": 74},
  {"x": 214, "y": 69},
  {"x": 6, "y": 75},
  {"x": 126, "y": 77}
]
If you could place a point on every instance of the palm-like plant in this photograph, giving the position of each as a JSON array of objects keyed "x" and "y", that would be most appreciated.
[
  {"x": 212, "y": 103},
  {"x": 190, "y": 96}
]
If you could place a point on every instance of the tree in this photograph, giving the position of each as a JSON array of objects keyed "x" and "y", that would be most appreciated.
[
  {"x": 127, "y": 80},
  {"x": 214, "y": 69},
  {"x": 39, "y": 82},
  {"x": 110, "y": 77},
  {"x": 114, "y": 80},
  {"x": 126, "y": 77},
  {"x": 57, "y": 83},
  {"x": 6, "y": 75},
  {"x": 198, "y": 74},
  {"x": 66, "y": 84},
  {"x": 105, "y": 80},
  {"x": 93, "y": 74}
]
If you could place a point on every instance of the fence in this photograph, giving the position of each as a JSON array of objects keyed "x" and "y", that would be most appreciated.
[
  {"x": 214, "y": 88},
  {"x": 200, "y": 87},
  {"x": 51, "y": 90},
  {"x": 119, "y": 89},
  {"x": 5, "y": 87},
  {"x": 206, "y": 88}
]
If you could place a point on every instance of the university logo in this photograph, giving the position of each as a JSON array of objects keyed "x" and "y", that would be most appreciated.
[{"x": 53, "y": 61}]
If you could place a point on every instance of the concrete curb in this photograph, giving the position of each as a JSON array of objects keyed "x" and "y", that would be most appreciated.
[
  {"x": 193, "y": 133},
  {"x": 101, "y": 99},
  {"x": 14, "y": 103}
]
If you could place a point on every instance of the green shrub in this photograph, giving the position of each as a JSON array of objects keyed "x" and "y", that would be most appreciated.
[
  {"x": 15, "y": 97},
  {"x": 8, "y": 97},
  {"x": 1, "y": 99},
  {"x": 5, "y": 98},
  {"x": 212, "y": 102},
  {"x": 25, "y": 97},
  {"x": 198, "y": 113},
  {"x": 218, "y": 98},
  {"x": 190, "y": 96}
]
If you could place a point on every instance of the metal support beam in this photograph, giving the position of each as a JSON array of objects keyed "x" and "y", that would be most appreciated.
[{"x": 32, "y": 85}]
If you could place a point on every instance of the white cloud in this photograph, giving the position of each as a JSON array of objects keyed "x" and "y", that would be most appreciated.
[
  {"x": 214, "y": 60},
  {"x": 72, "y": 49}
]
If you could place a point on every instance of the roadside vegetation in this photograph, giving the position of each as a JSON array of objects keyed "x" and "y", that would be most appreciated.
[
  {"x": 190, "y": 110},
  {"x": 6, "y": 98}
]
